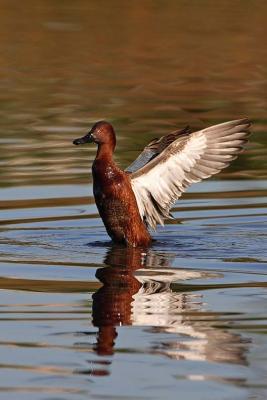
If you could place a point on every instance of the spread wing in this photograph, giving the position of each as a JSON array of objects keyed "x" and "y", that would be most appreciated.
[
  {"x": 188, "y": 159},
  {"x": 154, "y": 148}
]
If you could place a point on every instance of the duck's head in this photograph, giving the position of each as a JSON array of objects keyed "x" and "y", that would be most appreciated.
[{"x": 102, "y": 132}]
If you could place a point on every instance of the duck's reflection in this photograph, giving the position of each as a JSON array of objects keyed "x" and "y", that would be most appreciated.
[
  {"x": 137, "y": 291},
  {"x": 112, "y": 303}
]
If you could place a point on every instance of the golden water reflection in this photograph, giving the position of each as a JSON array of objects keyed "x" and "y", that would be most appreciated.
[{"x": 146, "y": 68}]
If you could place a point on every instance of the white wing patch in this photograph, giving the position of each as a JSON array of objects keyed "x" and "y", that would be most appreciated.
[{"x": 187, "y": 160}]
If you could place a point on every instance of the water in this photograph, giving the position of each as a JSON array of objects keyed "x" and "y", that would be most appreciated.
[{"x": 81, "y": 318}]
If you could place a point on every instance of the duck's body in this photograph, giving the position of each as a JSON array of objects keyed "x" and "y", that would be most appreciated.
[
  {"x": 117, "y": 205},
  {"x": 129, "y": 202}
]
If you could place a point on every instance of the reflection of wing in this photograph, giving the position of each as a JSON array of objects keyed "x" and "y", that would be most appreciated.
[
  {"x": 140, "y": 288},
  {"x": 188, "y": 159},
  {"x": 154, "y": 148}
]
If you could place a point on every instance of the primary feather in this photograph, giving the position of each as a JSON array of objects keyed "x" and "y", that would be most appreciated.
[{"x": 189, "y": 158}]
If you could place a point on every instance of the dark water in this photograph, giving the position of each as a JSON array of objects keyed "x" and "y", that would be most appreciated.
[{"x": 80, "y": 318}]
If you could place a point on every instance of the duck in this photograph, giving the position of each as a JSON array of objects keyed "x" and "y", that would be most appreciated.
[{"x": 133, "y": 201}]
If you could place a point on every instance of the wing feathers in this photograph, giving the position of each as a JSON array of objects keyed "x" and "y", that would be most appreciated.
[
  {"x": 155, "y": 147},
  {"x": 187, "y": 159}
]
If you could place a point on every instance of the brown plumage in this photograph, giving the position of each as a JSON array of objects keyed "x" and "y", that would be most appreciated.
[
  {"x": 113, "y": 193},
  {"x": 129, "y": 202}
]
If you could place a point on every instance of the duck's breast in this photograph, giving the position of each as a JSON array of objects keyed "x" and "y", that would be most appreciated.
[{"x": 115, "y": 200}]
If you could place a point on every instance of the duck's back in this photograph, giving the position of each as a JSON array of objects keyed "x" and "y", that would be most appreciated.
[{"x": 117, "y": 205}]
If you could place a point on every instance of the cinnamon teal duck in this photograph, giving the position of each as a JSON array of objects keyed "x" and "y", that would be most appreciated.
[{"x": 131, "y": 201}]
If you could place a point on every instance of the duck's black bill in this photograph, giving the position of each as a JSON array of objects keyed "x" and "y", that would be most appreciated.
[{"x": 85, "y": 139}]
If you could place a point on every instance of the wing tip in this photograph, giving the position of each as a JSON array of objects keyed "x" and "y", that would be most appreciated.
[
  {"x": 233, "y": 123},
  {"x": 244, "y": 121},
  {"x": 237, "y": 126}
]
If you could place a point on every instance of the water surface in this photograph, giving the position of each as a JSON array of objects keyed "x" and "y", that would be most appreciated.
[{"x": 80, "y": 317}]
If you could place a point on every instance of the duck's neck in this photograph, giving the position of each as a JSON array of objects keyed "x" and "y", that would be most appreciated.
[{"x": 105, "y": 152}]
